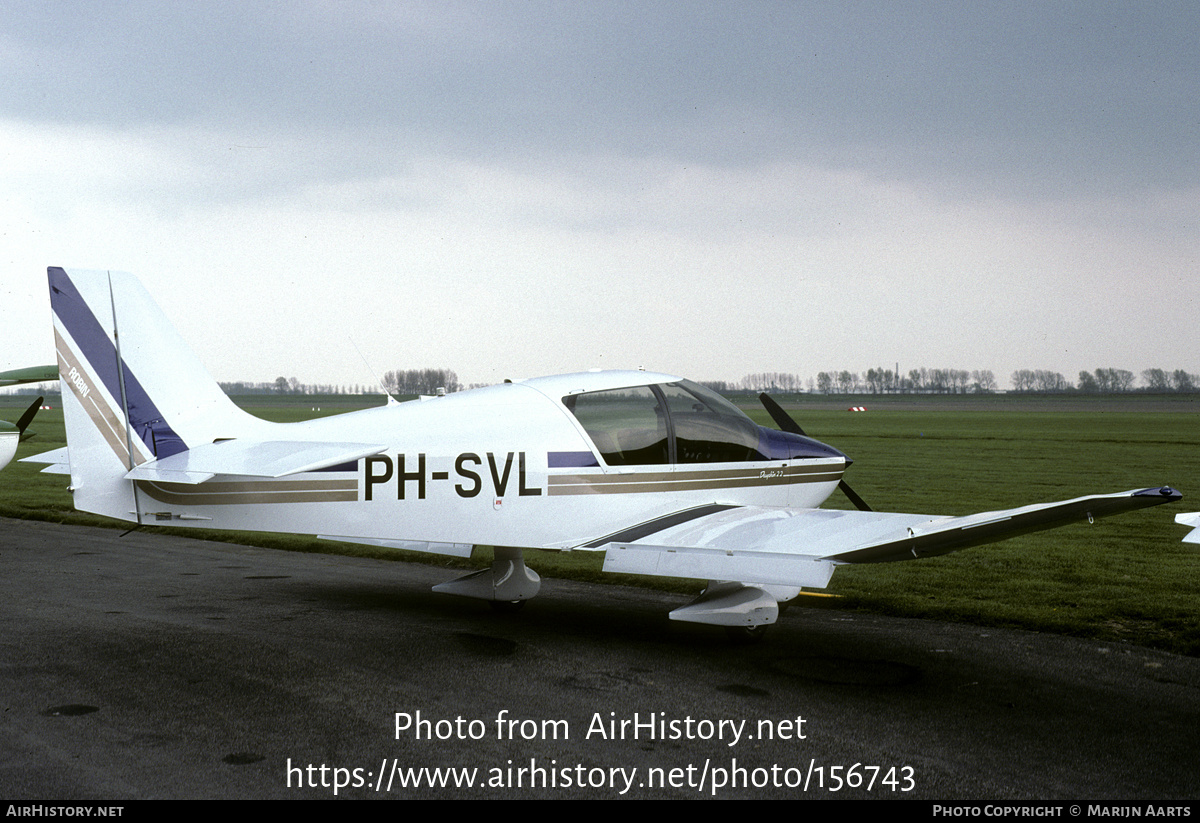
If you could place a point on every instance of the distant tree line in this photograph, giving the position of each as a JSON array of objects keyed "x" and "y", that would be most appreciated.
[
  {"x": 872, "y": 381},
  {"x": 410, "y": 381},
  {"x": 1040, "y": 380},
  {"x": 421, "y": 381},
  {"x": 774, "y": 381},
  {"x": 961, "y": 381},
  {"x": 1107, "y": 381},
  {"x": 1158, "y": 380},
  {"x": 291, "y": 385}
]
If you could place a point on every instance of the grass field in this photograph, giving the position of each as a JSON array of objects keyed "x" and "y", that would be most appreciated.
[{"x": 1124, "y": 578}]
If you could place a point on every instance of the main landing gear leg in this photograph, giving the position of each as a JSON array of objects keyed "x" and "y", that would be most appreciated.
[
  {"x": 506, "y": 585},
  {"x": 744, "y": 611}
]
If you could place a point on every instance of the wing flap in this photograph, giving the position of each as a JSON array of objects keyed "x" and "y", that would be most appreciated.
[
  {"x": 718, "y": 564},
  {"x": 748, "y": 544},
  {"x": 250, "y": 458}
]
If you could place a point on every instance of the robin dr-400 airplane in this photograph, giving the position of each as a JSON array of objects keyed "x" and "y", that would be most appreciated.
[
  {"x": 12, "y": 434},
  {"x": 660, "y": 474}
]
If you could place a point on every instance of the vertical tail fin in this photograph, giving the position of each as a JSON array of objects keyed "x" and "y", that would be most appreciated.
[{"x": 132, "y": 389}]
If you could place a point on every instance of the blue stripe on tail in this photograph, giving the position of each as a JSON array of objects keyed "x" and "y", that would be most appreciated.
[{"x": 145, "y": 420}]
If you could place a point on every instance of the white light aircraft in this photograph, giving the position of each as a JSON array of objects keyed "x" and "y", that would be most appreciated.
[
  {"x": 12, "y": 434},
  {"x": 663, "y": 476}
]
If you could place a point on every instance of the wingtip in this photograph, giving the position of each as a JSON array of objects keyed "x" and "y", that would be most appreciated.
[{"x": 1168, "y": 494}]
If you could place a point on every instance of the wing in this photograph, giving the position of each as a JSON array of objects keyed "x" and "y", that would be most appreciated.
[
  {"x": 37, "y": 374},
  {"x": 801, "y": 547}
]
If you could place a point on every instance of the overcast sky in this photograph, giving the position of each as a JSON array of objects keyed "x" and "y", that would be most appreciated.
[{"x": 524, "y": 188}]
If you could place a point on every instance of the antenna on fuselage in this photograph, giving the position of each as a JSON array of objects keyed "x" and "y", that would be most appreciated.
[{"x": 391, "y": 401}]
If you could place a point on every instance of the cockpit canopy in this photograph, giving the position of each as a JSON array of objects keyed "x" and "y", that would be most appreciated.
[{"x": 680, "y": 422}]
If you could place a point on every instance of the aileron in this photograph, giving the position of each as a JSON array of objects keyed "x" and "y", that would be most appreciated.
[{"x": 956, "y": 533}]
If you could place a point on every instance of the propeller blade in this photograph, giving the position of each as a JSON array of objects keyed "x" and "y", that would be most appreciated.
[
  {"x": 785, "y": 423},
  {"x": 858, "y": 502},
  {"x": 782, "y": 419},
  {"x": 27, "y": 418}
]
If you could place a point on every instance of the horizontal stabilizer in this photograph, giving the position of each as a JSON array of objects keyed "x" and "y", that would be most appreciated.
[
  {"x": 58, "y": 461},
  {"x": 252, "y": 458},
  {"x": 52, "y": 456}
]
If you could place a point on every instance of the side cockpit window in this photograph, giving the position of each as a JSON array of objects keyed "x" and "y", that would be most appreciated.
[
  {"x": 672, "y": 423},
  {"x": 628, "y": 426}
]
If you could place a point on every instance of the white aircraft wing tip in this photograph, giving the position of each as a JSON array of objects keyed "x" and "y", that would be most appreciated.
[{"x": 1191, "y": 519}]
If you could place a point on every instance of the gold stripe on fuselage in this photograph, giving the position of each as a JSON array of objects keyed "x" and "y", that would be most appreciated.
[
  {"x": 228, "y": 493},
  {"x": 643, "y": 482}
]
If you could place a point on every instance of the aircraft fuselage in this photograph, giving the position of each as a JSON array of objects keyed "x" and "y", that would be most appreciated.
[{"x": 503, "y": 465}]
